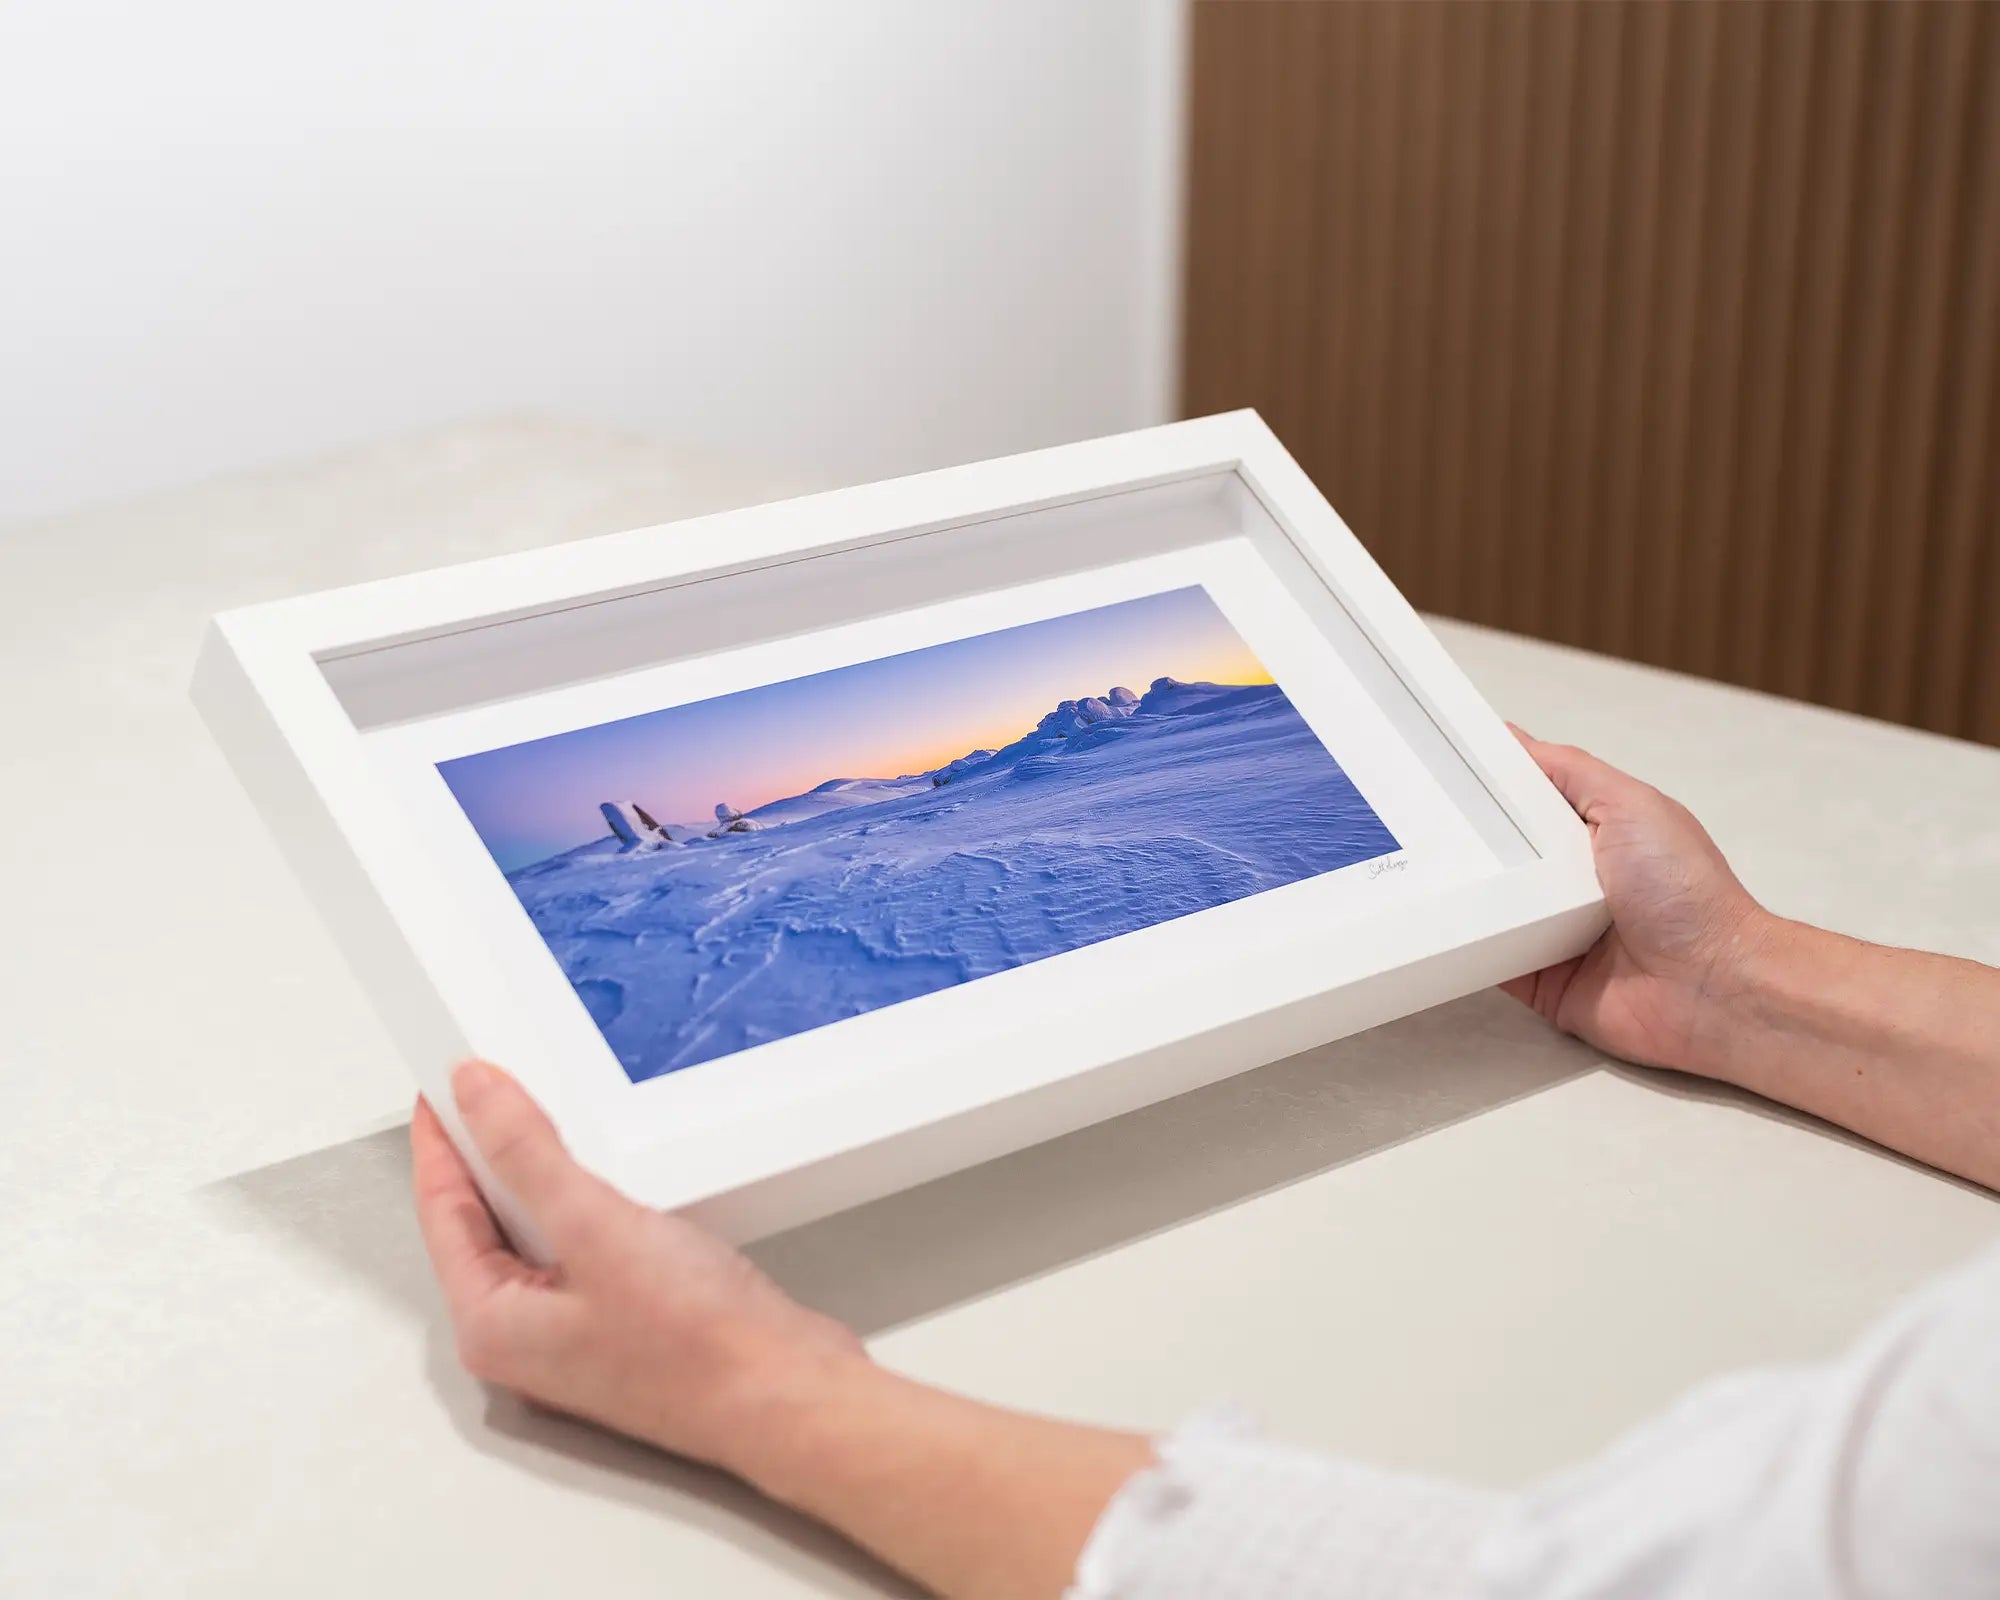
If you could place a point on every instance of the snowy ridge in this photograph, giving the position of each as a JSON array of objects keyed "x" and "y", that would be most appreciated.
[
  {"x": 836, "y": 794},
  {"x": 1070, "y": 717}
]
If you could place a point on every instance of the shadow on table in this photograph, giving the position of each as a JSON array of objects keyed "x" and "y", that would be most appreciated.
[
  {"x": 978, "y": 1232},
  {"x": 350, "y": 1205},
  {"x": 584, "y": 1458}
]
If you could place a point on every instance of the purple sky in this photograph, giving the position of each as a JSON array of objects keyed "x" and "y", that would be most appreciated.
[{"x": 877, "y": 719}]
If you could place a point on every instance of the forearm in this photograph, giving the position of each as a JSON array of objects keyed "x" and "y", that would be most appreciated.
[
  {"x": 1898, "y": 1045},
  {"x": 970, "y": 1500}
]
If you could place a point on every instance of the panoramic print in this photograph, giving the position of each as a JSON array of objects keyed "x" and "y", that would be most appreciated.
[{"x": 715, "y": 875}]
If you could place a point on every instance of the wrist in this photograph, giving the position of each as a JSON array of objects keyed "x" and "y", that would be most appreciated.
[
  {"x": 789, "y": 1412},
  {"x": 1751, "y": 998}
]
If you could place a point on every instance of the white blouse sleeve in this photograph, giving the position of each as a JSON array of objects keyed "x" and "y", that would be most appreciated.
[
  {"x": 1872, "y": 1477},
  {"x": 1226, "y": 1516}
]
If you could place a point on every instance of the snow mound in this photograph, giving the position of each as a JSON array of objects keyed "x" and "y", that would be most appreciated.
[
  {"x": 836, "y": 794},
  {"x": 958, "y": 768},
  {"x": 1170, "y": 697}
]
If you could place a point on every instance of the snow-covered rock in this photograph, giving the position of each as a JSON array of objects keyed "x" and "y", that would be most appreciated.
[
  {"x": 633, "y": 826},
  {"x": 619, "y": 824},
  {"x": 729, "y": 820},
  {"x": 1073, "y": 716},
  {"x": 655, "y": 831},
  {"x": 1062, "y": 720}
]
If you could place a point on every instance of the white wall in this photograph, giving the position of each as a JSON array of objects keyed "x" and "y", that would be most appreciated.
[{"x": 859, "y": 237}]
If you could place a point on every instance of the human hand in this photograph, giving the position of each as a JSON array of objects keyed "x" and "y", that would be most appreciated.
[
  {"x": 647, "y": 1324},
  {"x": 1683, "y": 928}
]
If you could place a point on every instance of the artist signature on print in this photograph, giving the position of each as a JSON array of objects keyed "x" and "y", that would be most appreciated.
[{"x": 1387, "y": 864}]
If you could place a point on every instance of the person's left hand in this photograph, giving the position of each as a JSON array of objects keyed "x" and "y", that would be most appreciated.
[{"x": 647, "y": 1324}]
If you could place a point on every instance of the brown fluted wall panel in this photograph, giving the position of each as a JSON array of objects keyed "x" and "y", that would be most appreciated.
[{"x": 1668, "y": 330}]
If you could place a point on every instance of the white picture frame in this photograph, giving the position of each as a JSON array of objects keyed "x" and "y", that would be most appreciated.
[{"x": 336, "y": 708}]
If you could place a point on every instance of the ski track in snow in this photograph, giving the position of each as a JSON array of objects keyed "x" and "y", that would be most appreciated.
[{"x": 1204, "y": 795}]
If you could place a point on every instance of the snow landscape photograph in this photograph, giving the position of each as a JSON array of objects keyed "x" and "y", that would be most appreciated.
[{"x": 716, "y": 875}]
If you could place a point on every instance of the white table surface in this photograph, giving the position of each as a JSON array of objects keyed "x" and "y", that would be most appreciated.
[{"x": 1457, "y": 1243}]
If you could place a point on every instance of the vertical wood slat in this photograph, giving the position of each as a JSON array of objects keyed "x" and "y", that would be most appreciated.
[
  {"x": 1960, "y": 671},
  {"x": 1807, "y": 460},
  {"x": 1708, "y": 470},
  {"x": 1765, "y": 357},
  {"x": 1943, "y": 74},
  {"x": 1672, "y": 331},
  {"x": 1581, "y": 323},
  {"x": 1447, "y": 507}
]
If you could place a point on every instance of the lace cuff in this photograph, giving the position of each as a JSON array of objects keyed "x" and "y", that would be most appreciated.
[{"x": 1226, "y": 1516}]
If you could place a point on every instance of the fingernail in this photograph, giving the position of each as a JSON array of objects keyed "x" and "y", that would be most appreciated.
[{"x": 473, "y": 1081}]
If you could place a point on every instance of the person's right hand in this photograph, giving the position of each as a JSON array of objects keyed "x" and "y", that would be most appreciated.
[
  {"x": 651, "y": 1325},
  {"x": 1683, "y": 929},
  {"x": 647, "y": 1324}
]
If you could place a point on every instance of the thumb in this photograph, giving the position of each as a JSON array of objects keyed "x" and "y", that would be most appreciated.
[
  {"x": 1584, "y": 781},
  {"x": 526, "y": 1153}
]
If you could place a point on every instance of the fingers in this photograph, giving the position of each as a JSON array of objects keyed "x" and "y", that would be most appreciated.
[
  {"x": 465, "y": 1247},
  {"x": 1584, "y": 781},
  {"x": 525, "y": 1151},
  {"x": 1543, "y": 992}
]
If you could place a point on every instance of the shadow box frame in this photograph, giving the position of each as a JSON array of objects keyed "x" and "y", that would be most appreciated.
[{"x": 323, "y": 705}]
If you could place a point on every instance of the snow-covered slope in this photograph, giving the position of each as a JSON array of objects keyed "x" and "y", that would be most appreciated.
[
  {"x": 837, "y": 794},
  {"x": 1114, "y": 813}
]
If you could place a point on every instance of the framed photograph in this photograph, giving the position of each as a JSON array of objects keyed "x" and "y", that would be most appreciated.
[{"x": 799, "y": 854}]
